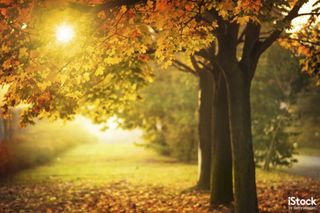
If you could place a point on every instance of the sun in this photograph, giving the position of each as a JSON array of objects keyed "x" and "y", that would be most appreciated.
[{"x": 65, "y": 33}]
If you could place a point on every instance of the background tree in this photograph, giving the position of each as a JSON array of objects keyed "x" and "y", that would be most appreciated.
[
  {"x": 306, "y": 110},
  {"x": 274, "y": 93},
  {"x": 215, "y": 166},
  {"x": 206, "y": 91},
  {"x": 167, "y": 112}
]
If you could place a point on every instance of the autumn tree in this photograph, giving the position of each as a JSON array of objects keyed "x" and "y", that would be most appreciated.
[
  {"x": 108, "y": 107},
  {"x": 214, "y": 138},
  {"x": 227, "y": 37},
  {"x": 206, "y": 91},
  {"x": 215, "y": 163}
]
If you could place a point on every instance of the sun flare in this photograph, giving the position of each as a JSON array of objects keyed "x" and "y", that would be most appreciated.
[{"x": 65, "y": 33}]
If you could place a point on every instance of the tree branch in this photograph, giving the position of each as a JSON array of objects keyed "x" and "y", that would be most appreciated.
[
  {"x": 304, "y": 41},
  {"x": 240, "y": 38},
  {"x": 309, "y": 14},
  {"x": 275, "y": 34},
  {"x": 184, "y": 68},
  {"x": 3, "y": 5},
  {"x": 251, "y": 38},
  {"x": 107, "y": 5},
  {"x": 205, "y": 65},
  {"x": 195, "y": 63}
]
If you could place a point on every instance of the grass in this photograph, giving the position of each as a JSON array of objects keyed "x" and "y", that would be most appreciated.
[
  {"x": 40, "y": 144},
  {"x": 102, "y": 163}
]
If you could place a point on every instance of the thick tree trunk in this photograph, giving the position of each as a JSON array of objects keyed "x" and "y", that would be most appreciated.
[
  {"x": 221, "y": 175},
  {"x": 205, "y": 128},
  {"x": 238, "y": 86},
  {"x": 238, "y": 77}
]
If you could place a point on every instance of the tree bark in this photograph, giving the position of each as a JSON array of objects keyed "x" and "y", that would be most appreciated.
[
  {"x": 205, "y": 128},
  {"x": 238, "y": 77},
  {"x": 221, "y": 175},
  {"x": 238, "y": 85}
]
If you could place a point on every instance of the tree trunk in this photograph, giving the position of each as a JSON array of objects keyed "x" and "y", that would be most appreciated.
[
  {"x": 271, "y": 149},
  {"x": 238, "y": 85},
  {"x": 221, "y": 175},
  {"x": 205, "y": 127}
]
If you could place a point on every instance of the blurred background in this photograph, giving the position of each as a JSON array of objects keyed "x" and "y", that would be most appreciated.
[{"x": 286, "y": 122}]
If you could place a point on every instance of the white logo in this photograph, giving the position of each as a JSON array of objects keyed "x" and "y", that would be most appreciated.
[{"x": 295, "y": 203}]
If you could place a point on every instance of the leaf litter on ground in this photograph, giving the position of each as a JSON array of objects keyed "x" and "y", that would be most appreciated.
[{"x": 123, "y": 196}]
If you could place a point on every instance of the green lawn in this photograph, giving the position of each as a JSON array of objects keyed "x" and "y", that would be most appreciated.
[
  {"x": 100, "y": 163},
  {"x": 107, "y": 162}
]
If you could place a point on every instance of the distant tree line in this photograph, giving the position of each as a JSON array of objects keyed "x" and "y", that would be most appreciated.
[{"x": 284, "y": 103}]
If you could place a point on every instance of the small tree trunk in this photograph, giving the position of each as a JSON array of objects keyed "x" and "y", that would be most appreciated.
[
  {"x": 271, "y": 149},
  {"x": 241, "y": 140},
  {"x": 221, "y": 175},
  {"x": 205, "y": 126}
]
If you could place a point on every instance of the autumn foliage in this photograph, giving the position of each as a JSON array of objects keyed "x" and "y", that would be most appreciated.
[
  {"x": 123, "y": 196},
  {"x": 113, "y": 36}
]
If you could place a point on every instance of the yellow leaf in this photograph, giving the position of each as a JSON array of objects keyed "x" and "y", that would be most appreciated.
[
  {"x": 6, "y": 64},
  {"x": 23, "y": 53},
  {"x": 5, "y": 49},
  {"x": 99, "y": 71},
  {"x": 123, "y": 9},
  {"x": 86, "y": 77}
]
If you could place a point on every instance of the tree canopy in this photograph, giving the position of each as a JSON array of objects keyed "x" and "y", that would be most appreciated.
[{"x": 115, "y": 39}]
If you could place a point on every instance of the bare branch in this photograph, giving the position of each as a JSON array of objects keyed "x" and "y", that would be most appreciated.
[
  {"x": 275, "y": 34},
  {"x": 204, "y": 65},
  {"x": 309, "y": 14},
  {"x": 240, "y": 38},
  {"x": 107, "y": 5},
  {"x": 184, "y": 68}
]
